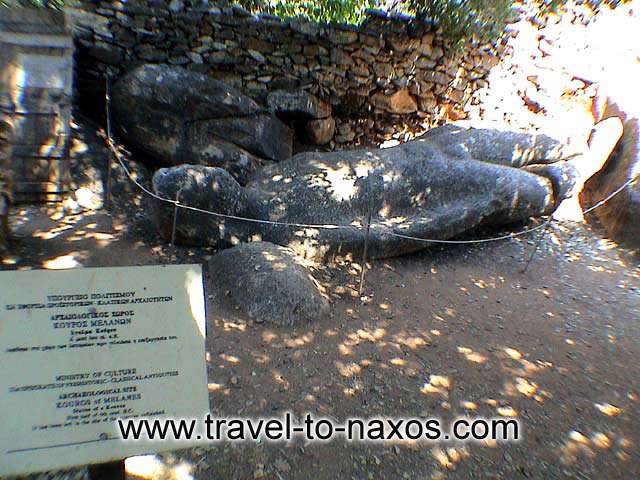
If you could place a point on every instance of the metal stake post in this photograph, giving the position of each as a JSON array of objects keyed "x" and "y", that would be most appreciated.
[
  {"x": 107, "y": 194},
  {"x": 537, "y": 244},
  {"x": 366, "y": 241},
  {"x": 175, "y": 218}
]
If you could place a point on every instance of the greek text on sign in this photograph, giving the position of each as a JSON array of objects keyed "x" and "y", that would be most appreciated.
[{"x": 82, "y": 348}]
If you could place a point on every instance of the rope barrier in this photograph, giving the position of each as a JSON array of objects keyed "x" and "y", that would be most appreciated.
[
  {"x": 177, "y": 204},
  {"x": 310, "y": 225}
]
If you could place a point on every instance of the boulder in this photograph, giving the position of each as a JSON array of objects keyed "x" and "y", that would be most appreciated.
[
  {"x": 261, "y": 134},
  {"x": 177, "y": 116},
  {"x": 267, "y": 283},
  {"x": 320, "y": 131},
  {"x": 619, "y": 216},
  {"x": 415, "y": 189},
  {"x": 297, "y": 104},
  {"x": 399, "y": 102}
]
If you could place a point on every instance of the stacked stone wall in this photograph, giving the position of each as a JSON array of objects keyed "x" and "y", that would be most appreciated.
[{"x": 384, "y": 76}]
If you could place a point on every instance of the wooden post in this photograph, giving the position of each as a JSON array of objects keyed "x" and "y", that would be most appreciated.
[{"x": 107, "y": 471}]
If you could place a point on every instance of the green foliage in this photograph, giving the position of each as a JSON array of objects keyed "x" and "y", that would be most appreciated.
[
  {"x": 458, "y": 18},
  {"x": 481, "y": 19},
  {"x": 343, "y": 11},
  {"x": 57, "y": 4}
]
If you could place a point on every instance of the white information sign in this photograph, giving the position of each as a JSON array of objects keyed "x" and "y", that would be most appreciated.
[{"x": 82, "y": 348}]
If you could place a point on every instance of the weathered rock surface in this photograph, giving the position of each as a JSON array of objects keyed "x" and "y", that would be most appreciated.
[
  {"x": 399, "y": 102},
  {"x": 415, "y": 189},
  {"x": 297, "y": 103},
  {"x": 513, "y": 149},
  {"x": 619, "y": 216},
  {"x": 320, "y": 131},
  {"x": 266, "y": 282},
  {"x": 177, "y": 116}
]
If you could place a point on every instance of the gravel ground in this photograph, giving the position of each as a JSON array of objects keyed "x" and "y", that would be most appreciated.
[{"x": 456, "y": 330}]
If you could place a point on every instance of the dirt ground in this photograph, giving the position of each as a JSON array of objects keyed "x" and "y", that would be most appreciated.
[{"x": 448, "y": 332}]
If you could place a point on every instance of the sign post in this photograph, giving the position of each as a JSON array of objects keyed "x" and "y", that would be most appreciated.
[{"x": 83, "y": 348}]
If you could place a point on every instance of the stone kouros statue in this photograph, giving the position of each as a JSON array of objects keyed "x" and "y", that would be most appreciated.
[{"x": 448, "y": 182}]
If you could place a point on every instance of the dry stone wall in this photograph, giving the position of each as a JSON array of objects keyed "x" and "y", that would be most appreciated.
[{"x": 379, "y": 78}]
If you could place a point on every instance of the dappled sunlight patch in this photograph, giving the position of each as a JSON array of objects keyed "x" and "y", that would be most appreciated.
[
  {"x": 369, "y": 335},
  {"x": 155, "y": 467},
  {"x": 472, "y": 356},
  {"x": 63, "y": 262},
  {"x": 442, "y": 458},
  {"x": 608, "y": 409},
  {"x": 400, "y": 220},
  {"x": 355, "y": 388},
  {"x": 512, "y": 353},
  {"x": 229, "y": 326},
  {"x": 448, "y": 458},
  {"x": 280, "y": 379},
  {"x": 144, "y": 466},
  {"x": 600, "y": 440},
  {"x": 348, "y": 369},
  {"x": 260, "y": 358},
  {"x": 52, "y": 233},
  {"x": 269, "y": 337},
  {"x": 385, "y": 211},
  {"x": 345, "y": 350},
  {"x": 182, "y": 471},
  {"x": 575, "y": 446},
  {"x": 88, "y": 198},
  {"x": 524, "y": 387},
  {"x": 438, "y": 384},
  {"x": 229, "y": 358},
  {"x": 468, "y": 405},
  {"x": 302, "y": 340},
  {"x": 528, "y": 368},
  {"x": 339, "y": 181},
  {"x": 507, "y": 411},
  {"x": 412, "y": 342},
  {"x": 480, "y": 283}
]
